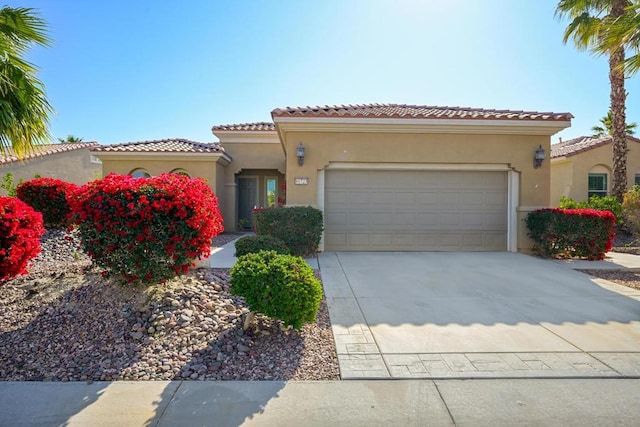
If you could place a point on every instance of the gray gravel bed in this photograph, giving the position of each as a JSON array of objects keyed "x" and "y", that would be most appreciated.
[{"x": 64, "y": 322}]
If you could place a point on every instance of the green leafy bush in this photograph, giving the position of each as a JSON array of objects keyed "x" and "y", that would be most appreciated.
[
  {"x": 599, "y": 203},
  {"x": 582, "y": 233},
  {"x": 146, "y": 229},
  {"x": 299, "y": 227},
  {"x": 278, "y": 286},
  {"x": 50, "y": 197},
  {"x": 631, "y": 209},
  {"x": 252, "y": 244}
]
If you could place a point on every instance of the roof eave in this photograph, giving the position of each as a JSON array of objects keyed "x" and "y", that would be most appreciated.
[
  {"x": 421, "y": 125},
  {"x": 151, "y": 154}
]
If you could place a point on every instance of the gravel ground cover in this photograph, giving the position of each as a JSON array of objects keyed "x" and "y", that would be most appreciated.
[
  {"x": 621, "y": 277},
  {"x": 64, "y": 322}
]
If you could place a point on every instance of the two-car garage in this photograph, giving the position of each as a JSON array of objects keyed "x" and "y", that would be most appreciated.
[{"x": 384, "y": 209}]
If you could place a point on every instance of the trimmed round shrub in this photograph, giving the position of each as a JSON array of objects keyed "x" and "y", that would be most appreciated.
[
  {"x": 146, "y": 229},
  {"x": 252, "y": 244},
  {"x": 50, "y": 197},
  {"x": 279, "y": 286},
  {"x": 20, "y": 231}
]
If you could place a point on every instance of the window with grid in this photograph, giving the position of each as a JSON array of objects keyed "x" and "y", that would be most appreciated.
[
  {"x": 637, "y": 179},
  {"x": 597, "y": 184}
]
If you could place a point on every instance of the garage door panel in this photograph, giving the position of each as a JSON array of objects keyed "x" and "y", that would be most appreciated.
[
  {"x": 415, "y": 210},
  {"x": 406, "y": 198},
  {"x": 359, "y": 197},
  {"x": 335, "y": 219}
]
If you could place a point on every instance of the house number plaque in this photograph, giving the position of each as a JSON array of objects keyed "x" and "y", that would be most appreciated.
[{"x": 301, "y": 180}]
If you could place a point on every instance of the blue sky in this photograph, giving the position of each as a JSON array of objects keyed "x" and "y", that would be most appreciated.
[{"x": 133, "y": 70}]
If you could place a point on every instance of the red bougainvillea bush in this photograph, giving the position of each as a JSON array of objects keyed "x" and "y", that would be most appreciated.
[
  {"x": 568, "y": 233},
  {"x": 20, "y": 232},
  {"x": 50, "y": 197},
  {"x": 146, "y": 229}
]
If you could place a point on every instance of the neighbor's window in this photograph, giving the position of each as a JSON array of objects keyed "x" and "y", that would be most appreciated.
[
  {"x": 140, "y": 173},
  {"x": 272, "y": 185},
  {"x": 637, "y": 179},
  {"x": 597, "y": 184},
  {"x": 181, "y": 172}
]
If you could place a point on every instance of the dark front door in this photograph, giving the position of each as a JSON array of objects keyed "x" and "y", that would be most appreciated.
[{"x": 247, "y": 200}]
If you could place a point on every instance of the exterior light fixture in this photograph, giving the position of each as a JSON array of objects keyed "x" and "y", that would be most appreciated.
[
  {"x": 539, "y": 157},
  {"x": 300, "y": 154}
]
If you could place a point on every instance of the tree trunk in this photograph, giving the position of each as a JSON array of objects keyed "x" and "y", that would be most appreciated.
[{"x": 618, "y": 97}]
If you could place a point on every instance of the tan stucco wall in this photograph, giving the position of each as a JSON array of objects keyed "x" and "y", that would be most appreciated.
[
  {"x": 561, "y": 180},
  {"x": 516, "y": 151},
  {"x": 582, "y": 163},
  {"x": 71, "y": 166}
]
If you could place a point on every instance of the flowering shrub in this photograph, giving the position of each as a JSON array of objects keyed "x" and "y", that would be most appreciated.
[
  {"x": 599, "y": 203},
  {"x": 50, "y": 197},
  {"x": 146, "y": 229},
  {"x": 583, "y": 233},
  {"x": 20, "y": 232}
]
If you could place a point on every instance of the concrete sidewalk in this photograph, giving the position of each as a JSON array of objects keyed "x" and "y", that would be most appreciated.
[
  {"x": 224, "y": 257},
  {"x": 550, "y": 402}
]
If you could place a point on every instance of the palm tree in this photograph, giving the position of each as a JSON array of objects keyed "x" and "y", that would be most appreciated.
[
  {"x": 24, "y": 108},
  {"x": 607, "y": 127},
  {"x": 70, "y": 139},
  {"x": 625, "y": 31},
  {"x": 591, "y": 21}
]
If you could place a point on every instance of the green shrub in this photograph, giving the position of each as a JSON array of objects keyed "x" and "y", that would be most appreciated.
[
  {"x": 599, "y": 203},
  {"x": 631, "y": 209},
  {"x": 582, "y": 233},
  {"x": 300, "y": 227},
  {"x": 254, "y": 244},
  {"x": 278, "y": 286}
]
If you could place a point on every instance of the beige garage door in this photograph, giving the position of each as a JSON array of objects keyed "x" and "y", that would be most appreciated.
[{"x": 387, "y": 210}]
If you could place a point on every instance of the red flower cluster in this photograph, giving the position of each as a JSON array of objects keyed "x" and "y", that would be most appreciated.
[
  {"x": 20, "y": 232},
  {"x": 146, "y": 229},
  {"x": 569, "y": 233},
  {"x": 50, "y": 197}
]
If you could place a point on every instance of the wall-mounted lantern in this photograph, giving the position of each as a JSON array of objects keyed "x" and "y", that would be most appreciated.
[
  {"x": 539, "y": 157},
  {"x": 300, "y": 154}
]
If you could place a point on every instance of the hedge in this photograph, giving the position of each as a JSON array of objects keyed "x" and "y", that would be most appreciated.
[
  {"x": 581, "y": 233},
  {"x": 299, "y": 227}
]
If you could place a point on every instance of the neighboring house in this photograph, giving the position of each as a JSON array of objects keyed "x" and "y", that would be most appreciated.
[
  {"x": 582, "y": 167},
  {"x": 386, "y": 176},
  {"x": 72, "y": 162}
]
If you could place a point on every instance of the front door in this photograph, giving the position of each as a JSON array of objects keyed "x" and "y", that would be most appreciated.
[{"x": 247, "y": 200}]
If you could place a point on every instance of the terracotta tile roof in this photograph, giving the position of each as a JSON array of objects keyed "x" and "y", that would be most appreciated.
[
  {"x": 580, "y": 144},
  {"x": 45, "y": 150},
  {"x": 415, "y": 112},
  {"x": 174, "y": 145},
  {"x": 246, "y": 127}
]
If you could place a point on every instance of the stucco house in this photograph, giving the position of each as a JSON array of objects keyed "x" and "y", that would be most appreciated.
[
  {"x": 386, "y": 176},
  {"x": 582, "y": 167},
  {"x": 71, "y": 162}
]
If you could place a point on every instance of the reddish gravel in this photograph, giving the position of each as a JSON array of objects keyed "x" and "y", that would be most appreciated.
[{"x": 66, "y": 323}]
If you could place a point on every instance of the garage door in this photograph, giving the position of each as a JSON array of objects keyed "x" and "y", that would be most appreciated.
[{"x": 387, "y": 210}]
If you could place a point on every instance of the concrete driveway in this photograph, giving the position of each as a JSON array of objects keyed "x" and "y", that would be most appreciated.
[{"x": 460, "y": 315}]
